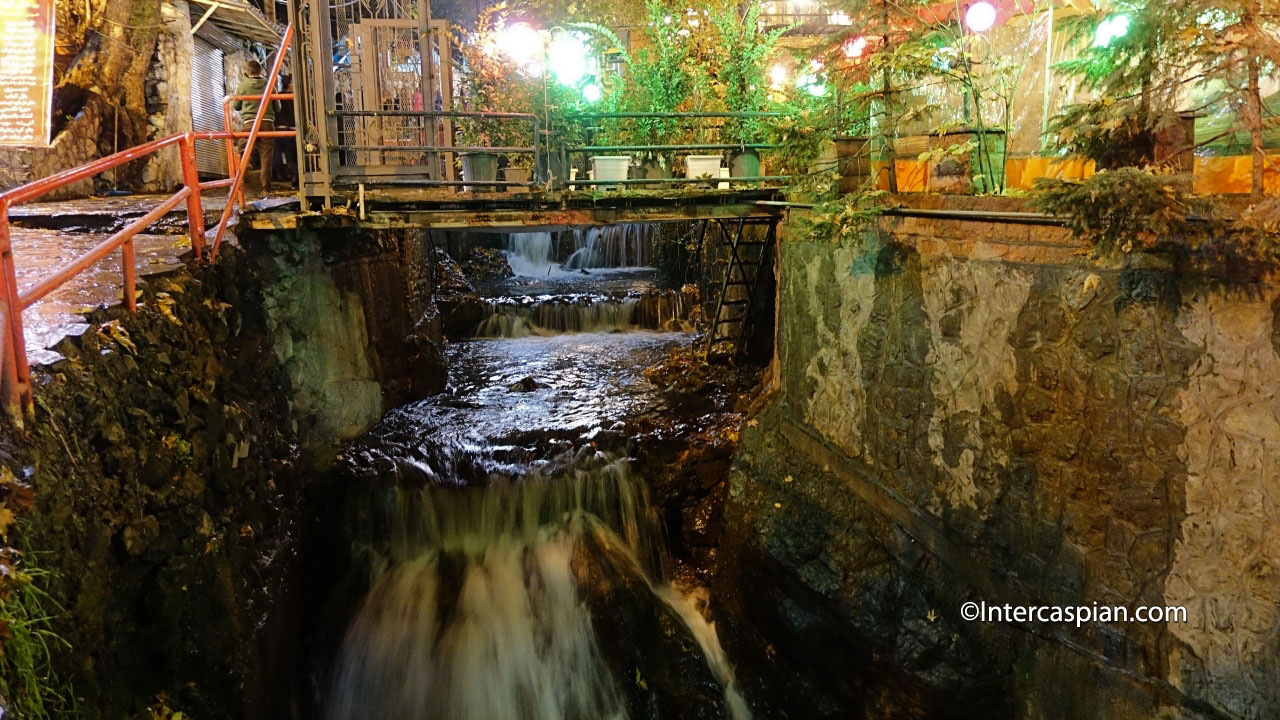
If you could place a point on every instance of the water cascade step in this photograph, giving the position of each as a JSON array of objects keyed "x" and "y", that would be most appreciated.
[
  {"x": 522, "y": 316},
  {"x": 613, "y": 246},
  {"x": 481, "y": 599}
]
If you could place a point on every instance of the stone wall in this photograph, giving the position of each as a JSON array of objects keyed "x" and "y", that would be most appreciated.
[
  {"x": 172, "y": 451},
  {"x": 168, "y": 89},
  {"x": 972, "y": 411}
]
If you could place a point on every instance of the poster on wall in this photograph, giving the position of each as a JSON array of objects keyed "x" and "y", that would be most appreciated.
[{"x": 26, "y": 72}]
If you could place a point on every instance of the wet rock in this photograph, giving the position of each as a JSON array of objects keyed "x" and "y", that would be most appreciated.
[
  {"x": 657, "y": 662},
  {"x": 140, "y": 534},
  {"x": 461, "y": 315},
  {"x": 527, "y": 384},
  {"x": 451, "y": 281},
  {"x": 486, "y": 264}
]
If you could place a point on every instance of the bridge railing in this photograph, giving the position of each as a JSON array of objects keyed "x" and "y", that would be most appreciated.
[
  {"x": 15, "y": 372},
  {"x": 708, "y": 126},
  {"x": 390, "y": 144}
]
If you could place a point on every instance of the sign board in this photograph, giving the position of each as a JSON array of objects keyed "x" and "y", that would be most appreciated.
[{"x": 26, "y": 71}]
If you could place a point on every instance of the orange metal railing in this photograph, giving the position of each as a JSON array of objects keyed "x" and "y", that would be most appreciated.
[{"x": 15, "y": 373}]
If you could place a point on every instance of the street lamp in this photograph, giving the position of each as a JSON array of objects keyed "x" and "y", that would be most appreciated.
[{"x": 980, "y": 17}]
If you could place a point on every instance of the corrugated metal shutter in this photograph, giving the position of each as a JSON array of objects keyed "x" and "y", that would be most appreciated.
[{"x": 208, "y": 87}]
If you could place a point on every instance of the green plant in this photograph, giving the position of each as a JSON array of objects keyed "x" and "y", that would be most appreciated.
[
  {"x": 30, "y": 688},
  {"x": 744, "y": 51},
  {"x": 844, "y": 219},
  {"x": 1216, "y": 52},
  {"x": 803, "y": 140},
  {"x": 658, "y": 79},
  {"x": 1124, "y": 210},
  {"x": 489, "y": 83},
  {"x": 26, "y": 676}
]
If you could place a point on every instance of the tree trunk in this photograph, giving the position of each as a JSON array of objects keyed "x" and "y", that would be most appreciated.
[{"x": 1253, "y": 119}]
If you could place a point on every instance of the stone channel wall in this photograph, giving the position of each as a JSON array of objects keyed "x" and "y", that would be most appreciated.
[
  {"x": 972, "y": 411},
  {"x": 172, "y": 450}
]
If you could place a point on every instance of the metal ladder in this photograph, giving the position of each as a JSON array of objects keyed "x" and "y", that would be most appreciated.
[{"x": 747, "y": 255}]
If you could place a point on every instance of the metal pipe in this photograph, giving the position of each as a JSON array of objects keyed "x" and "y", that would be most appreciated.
[
  {"x": 694, "y": 115},
  {"x": 643, "y": 148},
  {"x": 11, "y": 340},
  {"x": 441, "y": 148},
  {"x": 1017, "y": 218},
  {"x": 130, "y": 275},
  {"x": 248, "y": 146},
  {"x": 430, "y": 114},
  {"x": 676, "y": 181}
]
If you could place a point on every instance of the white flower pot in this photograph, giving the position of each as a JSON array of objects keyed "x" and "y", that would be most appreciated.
[
  {"x": 697, "y": 166},
  {"x": 610, "y": 167}
]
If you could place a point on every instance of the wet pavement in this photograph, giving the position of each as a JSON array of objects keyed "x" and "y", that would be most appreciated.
[{"x": 47, "y": 235}]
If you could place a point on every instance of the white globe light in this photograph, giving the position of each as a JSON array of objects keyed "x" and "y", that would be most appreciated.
[
  {"x": 592, "y": 93},
  {"x": 523, "y": 45},
  {"x": 854, "y": 47},
  {"x": 980, "y": 17},
  {"x": 567, "y": 58},
  {"x": 778, "y": 76}
]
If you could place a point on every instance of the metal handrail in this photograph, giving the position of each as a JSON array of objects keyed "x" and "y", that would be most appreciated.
[
  {"x": 15, "y": 371},
  {"x": 238, "y": 176}
]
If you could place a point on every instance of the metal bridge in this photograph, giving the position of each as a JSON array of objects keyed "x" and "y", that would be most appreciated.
[{"x": 372, "y": 155}]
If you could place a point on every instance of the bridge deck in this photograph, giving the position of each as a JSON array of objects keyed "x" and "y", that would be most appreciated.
[{"x": 518, "y": 212}]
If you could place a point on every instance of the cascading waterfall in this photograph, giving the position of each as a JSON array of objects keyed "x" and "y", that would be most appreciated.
[
  {"x": 476, "y": 607},
  {"x": 529, "y": 254},
  {"x": 552, "y": 315},
  {"x": 613, "y": 246}
]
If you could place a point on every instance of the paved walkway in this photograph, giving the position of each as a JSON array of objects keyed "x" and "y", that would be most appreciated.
[{"x": 48, "y": 235}]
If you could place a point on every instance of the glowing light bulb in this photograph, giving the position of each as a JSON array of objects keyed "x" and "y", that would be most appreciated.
[
  {"x": 523, "y": 45},
  {"x": 592, "y": 93},
  {"x": 777, "y": 76},
  {"x": 855, "y": 47},
  {"x": 567, "y": 57},
  {"x": 1110, "y": 30},
  {"x": 980, "y": 17}
]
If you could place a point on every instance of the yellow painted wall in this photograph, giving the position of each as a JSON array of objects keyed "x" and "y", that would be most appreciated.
[{"x": 1213, "y": 175}]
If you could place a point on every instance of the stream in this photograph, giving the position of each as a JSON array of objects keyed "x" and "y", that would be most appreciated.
[{"x": 506, "y": 562}]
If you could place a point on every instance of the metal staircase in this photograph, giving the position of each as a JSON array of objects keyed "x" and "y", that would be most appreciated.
[{"x": 749, "y": 257}]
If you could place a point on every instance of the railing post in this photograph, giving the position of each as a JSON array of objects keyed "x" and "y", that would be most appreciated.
[
  {"x": 130, "y": 276},
  {"x": 195, "y": 210},
  {"x": 16, "y": 374}
]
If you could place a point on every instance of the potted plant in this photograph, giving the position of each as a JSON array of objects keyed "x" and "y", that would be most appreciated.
[
  {"x": 658, "y": 81},
  {"x": 743, "y": 82},
  {"x": 488, "y": 83}
]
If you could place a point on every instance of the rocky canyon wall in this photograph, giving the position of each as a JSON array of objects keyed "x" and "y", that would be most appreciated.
[
  {"x": 172, "y": 449},
  {"x": 971, "y": 411}
]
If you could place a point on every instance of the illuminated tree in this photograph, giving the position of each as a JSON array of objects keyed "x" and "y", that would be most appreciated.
[{"x": 1145, "y": 61}]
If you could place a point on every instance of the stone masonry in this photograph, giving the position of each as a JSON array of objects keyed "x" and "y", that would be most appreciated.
[{"x": 976, "y": 411}]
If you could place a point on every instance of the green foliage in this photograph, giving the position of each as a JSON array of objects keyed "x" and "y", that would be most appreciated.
[
  {"x": 744, "y": 51},
  {"x": 1124, "y": 210},
  {"x": 488, "y": 83},
  {"x": 658, "y": 79},
  {"x": 1213, "y": 51},
  {"x": 843, "y": 220},
  {"x": 26, "y": 676},
  {"x": 803, "y": 136}
]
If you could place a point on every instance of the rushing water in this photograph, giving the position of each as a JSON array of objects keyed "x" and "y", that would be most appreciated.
[
  {"x": 612, "y": 246},
  {"x": 522, "y": 316},
  {"x": 493, "y": 511}
]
